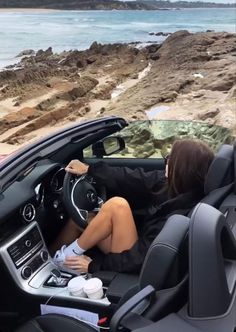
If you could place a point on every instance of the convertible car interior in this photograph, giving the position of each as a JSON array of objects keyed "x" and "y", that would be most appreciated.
[{"x": 188, "y": 278}]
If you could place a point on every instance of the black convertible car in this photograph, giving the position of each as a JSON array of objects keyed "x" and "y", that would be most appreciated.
[{"x": 188, "y": 278}]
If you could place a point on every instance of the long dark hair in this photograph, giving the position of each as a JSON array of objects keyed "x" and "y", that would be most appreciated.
[{"x": 188, "y": 164}]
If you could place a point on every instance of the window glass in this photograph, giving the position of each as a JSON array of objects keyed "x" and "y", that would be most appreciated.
[{"x": 153, "y": 139}]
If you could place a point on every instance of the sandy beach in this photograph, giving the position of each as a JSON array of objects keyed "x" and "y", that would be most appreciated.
[{"x": 188, "y": 77}]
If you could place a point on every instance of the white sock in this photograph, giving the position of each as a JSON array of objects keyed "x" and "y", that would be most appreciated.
[{"x": 73, "y": 249}]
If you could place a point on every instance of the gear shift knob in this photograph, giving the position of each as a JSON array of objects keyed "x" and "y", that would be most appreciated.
[{"x": 56, "y": 274}]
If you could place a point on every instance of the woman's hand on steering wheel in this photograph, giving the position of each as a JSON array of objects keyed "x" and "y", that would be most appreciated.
[{"x": 76, "y": 167}]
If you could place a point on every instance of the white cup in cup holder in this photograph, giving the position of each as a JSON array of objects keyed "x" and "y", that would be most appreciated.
[
  {"x": 75, "y": 286},
  {"x": 93, "y": 288}
]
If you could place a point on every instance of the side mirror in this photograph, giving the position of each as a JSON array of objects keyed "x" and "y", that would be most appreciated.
[{"x": 108, "y": 146}]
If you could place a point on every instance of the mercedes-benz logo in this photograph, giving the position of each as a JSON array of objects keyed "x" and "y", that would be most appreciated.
[
  {"x": 91, "y": 196},
  {"x": 28, "y": 212}
]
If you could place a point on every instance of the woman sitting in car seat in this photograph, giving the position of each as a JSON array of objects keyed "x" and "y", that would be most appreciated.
[{"x": 122, "y": 240}]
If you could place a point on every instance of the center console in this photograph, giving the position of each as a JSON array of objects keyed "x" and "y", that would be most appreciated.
[
  {"x": 28, "y": 253},
  {"x": 30, "y": 265}
]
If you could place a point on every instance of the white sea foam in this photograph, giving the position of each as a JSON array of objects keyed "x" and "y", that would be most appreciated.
[{"x": 7, "y": 62}]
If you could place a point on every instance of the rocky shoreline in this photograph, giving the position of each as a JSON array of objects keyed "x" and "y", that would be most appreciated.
[{"x": 188, "y": 77}]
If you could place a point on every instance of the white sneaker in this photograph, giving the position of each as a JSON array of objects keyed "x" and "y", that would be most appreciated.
[{"x": 60, "y": 256}]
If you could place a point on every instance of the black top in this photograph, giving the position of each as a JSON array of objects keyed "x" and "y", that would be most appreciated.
[
  {"x": 137, "y": 186},
  {"x": 141, "y": 189}
]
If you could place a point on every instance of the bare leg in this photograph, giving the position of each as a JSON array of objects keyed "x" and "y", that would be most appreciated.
[{"x": 112, "y": 229}]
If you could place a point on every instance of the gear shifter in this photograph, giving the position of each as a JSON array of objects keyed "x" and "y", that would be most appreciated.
[
  {"x": 58, "y": 279},
  {"x": 56, "y": 274}
]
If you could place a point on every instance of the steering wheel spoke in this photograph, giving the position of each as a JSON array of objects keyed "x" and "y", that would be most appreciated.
[
  {"x": 100, "y": 202},
  {"x": 83, "y": 214},
  {"x": 80, "y": 198}
]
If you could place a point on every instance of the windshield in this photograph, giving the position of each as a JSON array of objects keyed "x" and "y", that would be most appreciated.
[{"x": 154, "y": 139}]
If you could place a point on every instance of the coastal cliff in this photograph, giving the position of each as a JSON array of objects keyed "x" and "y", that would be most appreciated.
[{"x": 189, "y": 76}]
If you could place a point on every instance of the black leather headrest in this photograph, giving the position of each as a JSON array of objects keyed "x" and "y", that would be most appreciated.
[{"x": 220, "y": 172}]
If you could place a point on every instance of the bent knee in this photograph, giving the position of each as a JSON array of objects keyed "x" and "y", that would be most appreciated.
[{"x": 117, "y": 203}]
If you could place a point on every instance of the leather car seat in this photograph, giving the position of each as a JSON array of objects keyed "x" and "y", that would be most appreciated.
[
  {"x": 55, "y": 323},
  {"x": 220, "y": 177},
  {"x": 166, "y": 251}
]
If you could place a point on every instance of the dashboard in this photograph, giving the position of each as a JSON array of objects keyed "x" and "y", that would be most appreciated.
[
  {"x": 35, "y": 196},
  {"x": 47, "y": 192}
]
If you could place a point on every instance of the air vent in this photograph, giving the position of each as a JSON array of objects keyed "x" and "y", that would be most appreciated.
[{"x": 28, "y": 212}]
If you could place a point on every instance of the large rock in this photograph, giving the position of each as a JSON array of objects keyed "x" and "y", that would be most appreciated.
[
  {"x": 85, "y": 84},
  {"x": 223, "y": 81},
  {"x": 185, "y": 62},
  {"x": 20, "y": 117},
  {"x": 44, "y": 54},
  {"x": 25, "y": 52}
]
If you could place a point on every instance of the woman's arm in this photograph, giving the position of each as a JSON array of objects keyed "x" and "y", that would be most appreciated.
[
  {"x": 125, "y": 182},
  {"x": 136, "y": 185},
  {"x": 119, "y": 176}
]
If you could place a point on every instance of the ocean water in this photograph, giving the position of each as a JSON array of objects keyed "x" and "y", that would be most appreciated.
[{"x": 65, "y": 30}]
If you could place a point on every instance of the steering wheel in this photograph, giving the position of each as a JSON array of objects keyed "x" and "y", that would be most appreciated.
[{"x": 80, "y": 197}]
